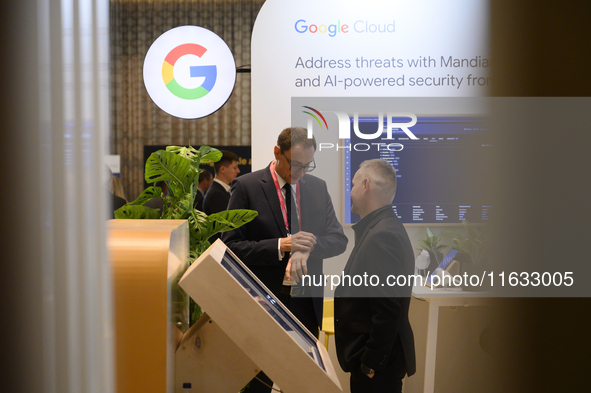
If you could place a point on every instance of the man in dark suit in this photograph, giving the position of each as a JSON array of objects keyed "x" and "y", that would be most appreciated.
[
  {"x": 288, "y": 201},
  {"x": 205, "y": 181},
  {"x": 217, "y": 197},
  {"x": 374, "y": 339}
]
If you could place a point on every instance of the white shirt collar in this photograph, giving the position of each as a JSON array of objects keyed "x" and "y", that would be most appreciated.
[{"x": 282, "y": 182}]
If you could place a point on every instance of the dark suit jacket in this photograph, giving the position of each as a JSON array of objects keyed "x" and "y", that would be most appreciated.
[
  {"x": 216, "y": 199},
  {"x": 371, "y": 323},
  {"x": 199, "y": 200},
  {"x": 256, "y": 243}
]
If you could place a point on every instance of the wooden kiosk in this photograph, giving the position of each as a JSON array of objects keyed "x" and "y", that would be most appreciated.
[{"x": 247, "y": 330}]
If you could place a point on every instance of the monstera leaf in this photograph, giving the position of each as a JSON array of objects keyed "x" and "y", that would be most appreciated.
[
  {"x": 178, "y": 208},
  {"x": 204, "y": 227},
  {"x": 146, "y": 195},
  {"x": 209, "y": 154},
  {"x": 224, "y": 221},
  {"x": 172, "y": 168},
  {"x": 136, "y": 212},
  {"x": 204, "y": 155},
  {"x": 189, "y": 153},
  {"x": 197, "y": 219}
]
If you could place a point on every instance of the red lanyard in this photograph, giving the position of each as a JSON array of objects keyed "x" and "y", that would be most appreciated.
[{"x": 282, "y": 199}]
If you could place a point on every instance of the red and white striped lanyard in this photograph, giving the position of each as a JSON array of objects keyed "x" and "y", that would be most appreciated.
[{"x": 282, "y": 199}]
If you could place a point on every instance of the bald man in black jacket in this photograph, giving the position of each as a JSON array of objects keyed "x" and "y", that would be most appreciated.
[{"x": 374, "y": 339}]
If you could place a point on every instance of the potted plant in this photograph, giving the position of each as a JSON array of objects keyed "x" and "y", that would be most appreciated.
[
  {"x": 432, "y": 245},
  {"x": 475, "y": 245},
  {"x": 178, "y": 166}
]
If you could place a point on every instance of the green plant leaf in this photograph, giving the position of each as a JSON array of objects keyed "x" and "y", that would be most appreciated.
[
  {"x": 209, "y": 154},
  {"x": 204, "y": 155},
  {"x": 431, "y": 244},
  {"x": 198, "y": 223},
  {"x": 136, "y": 212},
  {"x": 199, "y": 218},
  {"x": 424, "y": 243},
  {"x": 186, "y": 152},
  {"x": 178, "y": 208},
  {"x": 470, "y": 230},
  {"x": 464, "y": 245},
  {"x": 146, "y": 195},
  {"x": 455, "y": 233},
  {"x": 166, "y": 166},
  {"x": 199, "y": 249},
  {"x": 439, "y": 247},
  {"x": 225, "y": 221}
]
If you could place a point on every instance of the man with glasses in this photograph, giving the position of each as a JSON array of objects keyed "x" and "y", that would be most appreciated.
[{"x": 296, "y": 227}]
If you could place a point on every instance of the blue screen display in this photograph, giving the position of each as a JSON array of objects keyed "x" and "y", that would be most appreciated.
[
  {"x": 441, "y": 176},
  {"x": 272, "y": 305}
]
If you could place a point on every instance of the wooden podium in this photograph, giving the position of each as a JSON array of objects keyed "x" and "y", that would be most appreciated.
[{"x": 148, "y": 257}]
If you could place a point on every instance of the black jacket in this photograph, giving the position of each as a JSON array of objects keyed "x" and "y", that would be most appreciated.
[
  {"x": 216, "y": 199},
  {"x": 371, "y": 322}
]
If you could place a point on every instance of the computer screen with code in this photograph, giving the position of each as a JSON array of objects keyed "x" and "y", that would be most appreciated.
[{"x": 441, "y": 176}]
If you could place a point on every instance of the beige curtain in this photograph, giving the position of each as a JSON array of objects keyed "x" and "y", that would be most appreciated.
[{"x": 136, "y": 120}]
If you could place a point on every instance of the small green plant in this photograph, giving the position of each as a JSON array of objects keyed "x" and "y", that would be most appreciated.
[
  {"x": 475, "y": 243},
  {"x": 178, "y": 166},
  {"x": 432, "y": 245}
]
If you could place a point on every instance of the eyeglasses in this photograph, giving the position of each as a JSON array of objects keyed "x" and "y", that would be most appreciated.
[{"x": 295, "y": 168}]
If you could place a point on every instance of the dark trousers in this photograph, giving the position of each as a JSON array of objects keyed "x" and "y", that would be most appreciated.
[
  {"x": 303, "y": 309},
  {"x": 385, "y": 381},
  {"x": 361, "y": 383}
]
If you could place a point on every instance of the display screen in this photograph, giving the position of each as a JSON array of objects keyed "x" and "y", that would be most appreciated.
[
  {"x": 272, "y": 305},
  {"x": 441, "y": 176},
  {"x": 444, "y": 263}
]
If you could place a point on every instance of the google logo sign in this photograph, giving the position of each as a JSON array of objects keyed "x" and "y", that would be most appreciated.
[
  {"x": 189, "y": 72},
  {"x": 209, "y": 72}
]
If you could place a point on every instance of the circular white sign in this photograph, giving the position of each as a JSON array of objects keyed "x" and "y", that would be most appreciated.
[{"x": 189, "y": 72}]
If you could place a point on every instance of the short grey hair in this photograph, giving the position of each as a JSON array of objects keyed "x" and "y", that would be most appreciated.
[{"x": 382, "y": 175}]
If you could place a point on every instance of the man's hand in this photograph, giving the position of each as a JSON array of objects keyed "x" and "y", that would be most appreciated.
[
  {"x": 285, "y": 244},
  {"x": 303, "y": 241},
  {"x": 298, "y": 265},
  {"x": 367, "y": 371}
]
